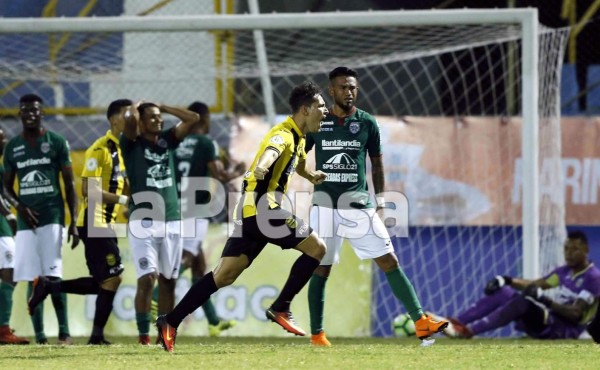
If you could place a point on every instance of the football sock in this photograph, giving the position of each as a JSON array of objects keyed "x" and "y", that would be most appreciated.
[
  {"x": 208, "y": 307},
  {"x": 37, "y": 319},
  {"x": 6, "y": 292},
  {"x": 198, "y": 294},
  {"x": 405, "y": 292},
  {"x": 142, "y": 320},
  {"x": 155, "y": 293},
  {"x": 299, "y": 276},
  {"x": 59, "y": 301},
  {"x": 84, "y": 285},
  {"x": 316, "y": 302},
  {"x": 104, "y": 305}
]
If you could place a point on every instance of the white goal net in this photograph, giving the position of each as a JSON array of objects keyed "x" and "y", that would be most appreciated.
[{"x": 448, "y": 97}]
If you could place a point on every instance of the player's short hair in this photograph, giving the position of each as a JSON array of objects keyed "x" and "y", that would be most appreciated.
[
  {"x": 578, "y": 235},
  {"x": 31, "y": 98},
  {"x": 303, "y": 94},
  {"x": 115, "y": 106},
  {"x": 199, "y": 107},
  {"x": 142, "y": 107},
  {"x": 342, "y": 71}
]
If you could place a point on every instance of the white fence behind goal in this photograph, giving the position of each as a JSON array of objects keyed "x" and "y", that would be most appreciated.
[{"x": 453, "y": 79}]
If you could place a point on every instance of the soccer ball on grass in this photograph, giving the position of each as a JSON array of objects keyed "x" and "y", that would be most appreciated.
[{"x": 403, "y": 326}]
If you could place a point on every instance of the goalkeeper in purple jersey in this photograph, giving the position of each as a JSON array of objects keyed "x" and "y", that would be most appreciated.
[{"x": 509, "y": 299}]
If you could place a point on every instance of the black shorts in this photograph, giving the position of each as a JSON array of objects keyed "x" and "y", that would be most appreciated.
[
  {"x": 276, "y": 226},
  {"x": 102, "y": 256}
]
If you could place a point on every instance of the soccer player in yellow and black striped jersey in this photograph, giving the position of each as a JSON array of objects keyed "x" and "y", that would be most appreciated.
[
  {"x": 259, "y": 218},
  {"x": 103, "y": 185}
]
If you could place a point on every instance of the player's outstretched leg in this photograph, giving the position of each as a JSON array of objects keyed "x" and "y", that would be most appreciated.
[{"x": 166, "y": 333}]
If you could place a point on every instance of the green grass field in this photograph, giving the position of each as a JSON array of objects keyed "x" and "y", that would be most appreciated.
[{"x": 294, "y": 353}]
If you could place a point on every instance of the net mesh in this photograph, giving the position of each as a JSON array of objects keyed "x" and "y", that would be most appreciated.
[{"x": 448, "y": 99}]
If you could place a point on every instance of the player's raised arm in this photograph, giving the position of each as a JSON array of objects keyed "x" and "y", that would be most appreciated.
[
  {"x": 131, "y": 117},
  {"x": 187, "y": 117}
]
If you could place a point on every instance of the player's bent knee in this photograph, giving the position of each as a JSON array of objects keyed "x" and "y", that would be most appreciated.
[
  {"x": 314, "y": 246},
  {"x": 112, "y": 283},
  {"x": 224, "y": 279}
]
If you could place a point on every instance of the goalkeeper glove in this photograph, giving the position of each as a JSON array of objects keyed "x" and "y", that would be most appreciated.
[
  {"x": 535, "y": 292},
  {"x": 496, "y": 283}
]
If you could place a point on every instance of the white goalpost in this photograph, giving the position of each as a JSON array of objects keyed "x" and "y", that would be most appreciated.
[{"x": 467, "y": 99}]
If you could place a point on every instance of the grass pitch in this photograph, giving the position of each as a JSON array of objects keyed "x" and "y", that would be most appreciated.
[{"x": 295, "y": 353}]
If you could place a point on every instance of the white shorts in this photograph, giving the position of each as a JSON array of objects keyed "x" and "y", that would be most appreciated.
[
  {"x": 156, "y": 248},
  {"x": 7, "y": 252},
  {"x": 193, "y": 244},
  {"x": 361, "y": 227},
  {"x": 38, "y": 252}
]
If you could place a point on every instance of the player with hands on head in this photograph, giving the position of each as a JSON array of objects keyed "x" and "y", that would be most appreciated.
[
  {"x": 154, "y": 228},
  {"x": 197, "y": 159},
  {"x": 523, "y": 301},
  {"x": 35, "y": 160},
  {"x": 259, "y": 219}
]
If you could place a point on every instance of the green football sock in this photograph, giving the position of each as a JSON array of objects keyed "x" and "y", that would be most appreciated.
[
  {"x": 143, "y": 322},
  {"x": 59, "y": 301},
  {"x": 6, "y": 292},
  {"x": 316, "y": 302},
  {"x": 37, "y": 319},
  {"x": 210, "y": 312},
  {"x": 405, "y": 292},
  {"x": 155, "y": 293}
]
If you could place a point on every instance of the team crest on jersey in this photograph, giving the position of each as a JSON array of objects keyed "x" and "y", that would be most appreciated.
[
  {"x": 354, "y": 127},
  {"x": 277, "y": 140},
  {"x": 91, "y": 164},
  {"x": 111, "y": 260},
  {"x": 45, "y": 147},
  {"x": 143, "y": 262}
]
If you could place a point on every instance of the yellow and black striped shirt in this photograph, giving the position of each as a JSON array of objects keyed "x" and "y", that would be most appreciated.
[
  {"x": 287, "y": 139},
  {"x": 103, "y": 159}
]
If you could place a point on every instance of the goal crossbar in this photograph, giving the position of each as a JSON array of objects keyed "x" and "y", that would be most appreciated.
[{"x": 268, "y": 21}]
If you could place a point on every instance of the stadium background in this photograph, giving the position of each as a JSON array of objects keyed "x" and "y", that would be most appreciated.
[{"x": 244, "y": 302}]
